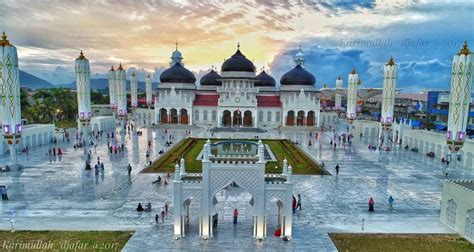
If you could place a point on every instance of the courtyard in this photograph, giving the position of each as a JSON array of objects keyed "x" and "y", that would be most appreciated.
[{"x": 58, "y": 194}]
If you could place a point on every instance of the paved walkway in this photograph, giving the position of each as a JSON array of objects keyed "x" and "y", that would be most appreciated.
[{"x": 60, "y": 195}]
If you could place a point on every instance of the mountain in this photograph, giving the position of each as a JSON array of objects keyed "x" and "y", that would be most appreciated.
[
  {"x": 104, "y": 84},
  {"x": 33, "y": 82}
]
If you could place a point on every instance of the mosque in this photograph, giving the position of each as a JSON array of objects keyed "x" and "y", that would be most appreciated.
[{"x": 237, "y": 97}]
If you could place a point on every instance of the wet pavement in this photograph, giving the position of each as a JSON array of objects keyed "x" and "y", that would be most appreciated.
[{"x": 61, "y": 195}]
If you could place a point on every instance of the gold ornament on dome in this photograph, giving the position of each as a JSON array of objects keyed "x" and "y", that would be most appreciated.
[
  {"x": 4, "y": 41},
  {"x": 391, "y": 62},
  {"x": 353, "y": 71},
  {"x": 81, "y": 56},
  {"x": 465, "y": 49}
]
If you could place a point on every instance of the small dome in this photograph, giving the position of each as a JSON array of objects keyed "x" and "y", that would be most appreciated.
[
  {"x": 210, "y": 79},
  {"x": 298, "y": 76},
  {"x": 264, "y": 80},
  {"x": 238, "y": 63},
  {"x": 177, "y": 74}
]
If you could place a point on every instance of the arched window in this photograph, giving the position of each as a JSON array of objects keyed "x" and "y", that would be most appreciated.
[
  {"x": 214, "y": 115},
  {"x": 196, "y": 115},
  {"x": 260, "y": 116},
  {"x": 204, "y": 115},
  {"x": 269, "y": 116},
  {"x": 277, "y": 116}
]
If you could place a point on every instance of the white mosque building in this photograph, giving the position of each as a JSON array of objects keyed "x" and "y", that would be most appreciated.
[{"x": 237, "y": 97}]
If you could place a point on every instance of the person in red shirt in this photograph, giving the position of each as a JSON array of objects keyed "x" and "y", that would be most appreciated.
[
  {"x": 371, "y": 204},
  {"x": 236, "y": 214},
  {"x": 293, "y": 205}
]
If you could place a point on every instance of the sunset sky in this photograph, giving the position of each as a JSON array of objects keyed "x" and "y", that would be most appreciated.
[{"x": 422, "y": 36}]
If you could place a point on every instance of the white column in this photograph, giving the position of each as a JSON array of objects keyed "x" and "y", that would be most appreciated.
[
  {"x": 205, "y": 220},
  {"x": 112, "y": 89},
  {"x": 460, "y": 98},
  {"x": 352, "y": 96},
  {"x": 133, "y": 91},
  {"x": 388, "y": 99},
  {"x": 338, "y": 96},
  {"x": 260, "y": 230},
  {"x": 287, "y": 206},
  {"x": 83, "y": 88},
  {"x": 10, "y": 97},
  {"x": 177, "y": 204},
  {"x": 148, "y": 90}
]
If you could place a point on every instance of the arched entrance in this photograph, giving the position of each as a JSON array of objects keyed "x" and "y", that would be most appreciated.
[
  {"x": 300, "y": 118},
  {"x": 224, "y": 202},
  {"x": 163, "y": 116},
  {"x": 290, "y": 118},
  {"x": 226, "y": 118},
  {"x": 248, "y": 118},
  {"x": 183, "y": 114},
  {"x": 173, "y": 116},
  {"x": 310, "y": 118},
  {"x": 237, "y": 118}
]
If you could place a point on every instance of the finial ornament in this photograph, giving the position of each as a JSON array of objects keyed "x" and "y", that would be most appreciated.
[
  {"x": 176, "y": 45},
  {"x": 300, "y": 47},
  {"x": 339, "y": 77},
  {"x": 238, "y": 45},
  {"x": 148, "y": 75},
  {"x": 353, "y": 71},
  {"x": 133, "y": 73},
  {"x": 120, "y": 66},
  {"x": 390, "y": 62},
  {"x": 81, "y": 55},
  {"x": 4, "y": 41},
  {"x": 465, "y": 49},
  {"x": 112, "y": 69}
]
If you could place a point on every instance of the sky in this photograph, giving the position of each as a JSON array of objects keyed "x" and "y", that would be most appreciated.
[{"x": 335, "y": 36}]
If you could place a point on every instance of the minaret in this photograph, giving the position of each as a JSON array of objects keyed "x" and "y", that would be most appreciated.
[
  {"x": 121, "y": 92},
  {"x": 338, "y": 96},
  {"x": 148, "y": 91},
  {"x": 83, "y": 87},
  {"x": 460, "y": 98},
  {"x": 352, "y": 96},
  {"x": 388, "y": 99},
  {"x": 10, "y": 97},
  {"x": 133, "y": 87},
  {"x": 112, "y": 90}
]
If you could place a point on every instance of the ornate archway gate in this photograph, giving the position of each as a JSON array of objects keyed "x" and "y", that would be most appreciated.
[{"x": 247, "y": 172}]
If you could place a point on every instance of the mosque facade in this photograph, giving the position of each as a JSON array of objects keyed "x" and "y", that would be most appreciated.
[{"x": 238, "y": 96}]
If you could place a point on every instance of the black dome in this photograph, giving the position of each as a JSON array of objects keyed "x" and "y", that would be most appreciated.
[
  {"x": 177, "y": 74},
  {"x": 238, "y": 63},
  {"x": 264, "y": 80},
  {"x": 210, "y": 79},
  {"x": 298, "y": 76}
]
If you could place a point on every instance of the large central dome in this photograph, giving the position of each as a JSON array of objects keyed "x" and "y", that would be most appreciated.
[
  {"x": 298, "y": 76},
  {"x": 177, "y": 74},
  {"x": 238, "y": 63}
]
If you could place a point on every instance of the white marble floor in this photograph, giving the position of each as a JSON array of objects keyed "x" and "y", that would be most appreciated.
[{"x": 59, "y": 194}]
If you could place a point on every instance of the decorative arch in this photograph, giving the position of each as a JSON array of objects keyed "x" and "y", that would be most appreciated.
[
  {"x": 163, "y": 116},
  {"x": 183, "y": 114},
  {"x": 173, "y": 116},
  {"x": 226, "y": 118},
  {"x": 290, "y": 118},
  {"x": 205, "y": 114},
  {"x": 310, "y": 118},
  {"x": 451, "y": 213},
  {"x": 300, "y": 118},
  {"x": 237, "y": 118},
  {"x": 248, "y": 118},
  {"x": 269, "y": 116}
]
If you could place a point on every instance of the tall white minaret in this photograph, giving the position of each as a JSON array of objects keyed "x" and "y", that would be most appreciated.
[
  {"x": 352, "y": 96},
  {"x": 10, "y": 97},
  {"x": 133, "y": 92},
  {"x": 83, "y": 87},
  {"x": 148, "y": 91},
  {"x": 388, "y": 99},
  {"x": 120, "y": 83},
  {"x": 112, "y": 90},
  {"x": 460, "y": 98},
  {"x": 338, "y": 96}
]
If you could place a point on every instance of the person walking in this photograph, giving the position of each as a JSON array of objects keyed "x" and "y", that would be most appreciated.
[
  {"x": 337, "y": 169},
  {"x": 236, "y": 214},
  {"x": 390, "y": 203},
  {"x": 162, "y": 216},
  {"x": 166, "y": 208},
  {"x": 157, "y": 219},
  {"x": 299, "y": 202},
  {"x": 371, "y": 204},
  {"x": 129, "y": 170}
]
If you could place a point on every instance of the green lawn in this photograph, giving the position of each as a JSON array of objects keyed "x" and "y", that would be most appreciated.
[
  {"x": 400, "y": 242},
  {"x": 190, "y": 148},
  {"x": 66, "y": 124},
  {"x": 64, "y": 240}
]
